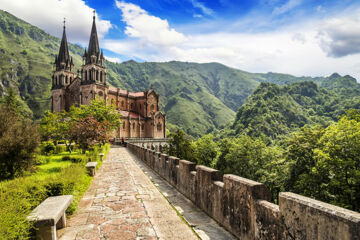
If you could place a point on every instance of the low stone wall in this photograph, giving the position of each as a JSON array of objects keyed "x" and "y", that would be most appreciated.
[{"x": 242, "y": 206}]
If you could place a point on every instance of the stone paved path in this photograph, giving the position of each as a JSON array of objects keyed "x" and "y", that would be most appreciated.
[{"x": 122, "y": 203}]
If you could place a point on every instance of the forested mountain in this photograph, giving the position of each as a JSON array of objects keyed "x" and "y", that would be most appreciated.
[
  {"x": 274, "y": 110},
  {"x": 196, "y": 97}
]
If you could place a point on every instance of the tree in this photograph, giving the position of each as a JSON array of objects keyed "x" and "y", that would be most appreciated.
[
  {"x": 98, "y": 110},
  {"x": 84, "y": 125},
  {"x": 338, "y": 160},
  {"x": 19, "y": 139},
  {"x": 206, "y": 150},
  {"x": 300, "y": 155},
  {"x": 181, "y": 146},
  {"x": 87, "y": 131},
  {"x": 251, "y": 158}
]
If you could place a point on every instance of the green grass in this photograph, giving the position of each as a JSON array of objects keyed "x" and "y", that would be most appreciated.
[{"x": 54, "y": 177}]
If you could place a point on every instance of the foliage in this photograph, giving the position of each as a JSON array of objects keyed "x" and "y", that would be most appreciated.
[
  {"x": 275, "y": 111},
  {"x": 84, "y": 125},
  {"x": 47, "y": 147},
  {"x": 19, "y": 140},
  {"x": 206, "y": 150},
  {"x": 338, "y": 163},
  {"x": 55, "y": 177},
  {"x": 87, "y": 131},
  {"x": 180, "y": 145},
  {"x": 301, "y": 159}
]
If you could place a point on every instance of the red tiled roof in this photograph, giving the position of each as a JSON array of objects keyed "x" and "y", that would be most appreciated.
[
  {"x": 132, "y": 115},
  {"x": 131, "y": 94},
  {"x": 136, "y": 94}
]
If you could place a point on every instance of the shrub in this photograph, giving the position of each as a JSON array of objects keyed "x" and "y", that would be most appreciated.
[
  {"x": 60, "y": 149},
  {"x": 47, "y": 147},
  {"x": 41, "y": 160},
  {"x": 19, "y": 141}
]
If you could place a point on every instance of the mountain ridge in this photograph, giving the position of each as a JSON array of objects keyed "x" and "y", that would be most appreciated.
[{"x": 198, "y": 97}]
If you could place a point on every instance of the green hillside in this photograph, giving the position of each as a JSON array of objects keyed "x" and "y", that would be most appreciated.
[
  {"x": 196, "y": 97},
  {"x": 26, "y": 57},
  {"x": 274, "y": 110}
]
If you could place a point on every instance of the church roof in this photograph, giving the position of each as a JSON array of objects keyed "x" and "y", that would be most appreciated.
[
  {"x": 93, "y": 48},
  {"x": 63, "y": 56},
  {"x": 132, "y": 114}
]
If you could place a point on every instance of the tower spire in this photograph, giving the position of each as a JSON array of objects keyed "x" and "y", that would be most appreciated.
[
  {"x": 63, "y": 57},
  {"x": 93, "y": 49}
]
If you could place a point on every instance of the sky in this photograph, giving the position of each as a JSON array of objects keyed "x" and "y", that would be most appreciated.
[{"x": 298, "y": 37}]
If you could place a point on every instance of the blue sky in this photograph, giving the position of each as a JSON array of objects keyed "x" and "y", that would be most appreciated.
[{"x": 300, "y": 37}]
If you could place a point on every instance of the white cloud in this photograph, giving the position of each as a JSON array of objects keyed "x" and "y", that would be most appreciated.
[
  {"x": 113, "y": 59},
  {"x": 295, "y": 50},
  {"x": 48, "y": 15},
  {"x": 340, "y": 36},
  {"x": 148, "y": 29},
  {"x": 289, "y": 5},
  {"x": 202, "y": 7}
]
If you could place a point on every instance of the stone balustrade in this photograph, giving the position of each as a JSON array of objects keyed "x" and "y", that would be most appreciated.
[{"x": 243, "y": 206}]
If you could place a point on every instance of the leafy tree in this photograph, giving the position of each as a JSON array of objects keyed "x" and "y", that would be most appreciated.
[
  {"x": 87, "y": 131},
  {"x": 251, "y": 158},
  {"x": 84, "y": 125},
  {"x": 54, "y": 126},
  {"x": 301, "y": 158},
  {"x": 181, "y": 146},
  {"x": 206, "y": 150},
  {"x": 19, "y": 139},
  {"x": 338, "y": 159},
  {"x": 100, "y": 111}
]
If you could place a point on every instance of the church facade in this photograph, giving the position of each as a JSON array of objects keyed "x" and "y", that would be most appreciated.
[{"x": 139, "y": 111}]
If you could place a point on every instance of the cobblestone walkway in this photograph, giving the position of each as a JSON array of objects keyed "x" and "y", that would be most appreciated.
[{"x": 122, "y": 203}]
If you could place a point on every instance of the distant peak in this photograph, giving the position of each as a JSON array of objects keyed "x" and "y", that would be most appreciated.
[{"x": 334, "y": 75}]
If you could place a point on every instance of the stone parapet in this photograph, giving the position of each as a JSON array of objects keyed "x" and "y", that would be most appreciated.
[{"x": 242, "y": 206}]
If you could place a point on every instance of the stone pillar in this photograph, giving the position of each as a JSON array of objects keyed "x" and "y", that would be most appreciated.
[{"x": 46, "y": 233}]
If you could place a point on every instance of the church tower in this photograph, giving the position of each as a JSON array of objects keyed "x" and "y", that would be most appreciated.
[
  {"x": 93, "y": 73},
  {"x": 62, "y": 76}
]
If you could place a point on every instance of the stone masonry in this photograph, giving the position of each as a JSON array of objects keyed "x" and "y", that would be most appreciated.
[
  {"x": 242, "y": 206},
  {"x": 123, "y": 203}
]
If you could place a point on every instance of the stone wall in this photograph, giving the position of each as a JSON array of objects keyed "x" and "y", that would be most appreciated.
[{"x": 242, "y": 206}]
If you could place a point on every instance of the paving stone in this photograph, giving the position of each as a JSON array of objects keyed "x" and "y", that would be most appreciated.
[{"x": 114, "y": 206}]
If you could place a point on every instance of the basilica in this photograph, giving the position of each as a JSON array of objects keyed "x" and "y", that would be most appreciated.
[{"x": 139, "y": 111}]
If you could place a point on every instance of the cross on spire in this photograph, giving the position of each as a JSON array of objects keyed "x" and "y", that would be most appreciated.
[
  {"x": 64, "y": 22},
  {"x": 94, "y": 14}
]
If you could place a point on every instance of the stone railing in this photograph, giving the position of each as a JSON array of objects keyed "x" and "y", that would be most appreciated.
[{"x": 242, "y": 206}]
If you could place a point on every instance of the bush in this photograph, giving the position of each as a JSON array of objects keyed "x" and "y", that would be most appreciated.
[
  {"x": 60, "y": 149},
  {"x": 19, "y": 140},
  {"x": 17, "y": 198},
  {"x": 74, "y": 158},
  {"x": 47, "y": 147},
  {"x": 41, "y": 160}
]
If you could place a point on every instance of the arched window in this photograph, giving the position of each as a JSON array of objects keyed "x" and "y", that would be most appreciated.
[
  {"x": 131, "y": 106},
  {"x": 101, "y": 76},
  {"x": 97, "y": 75},
  {"x": 159, "y": 127},
  {"x": 152, "y": 107},
  {"x": 140, "y": 106},
  {"x": 122, "y": 104},
  {"x": 133, "y": 125},
  {"x": 124, "y": 125},
  {"x": 142, "y": 126},
  {"x": 70, "y": 79},
  {"x": 66, "y": 80}
]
